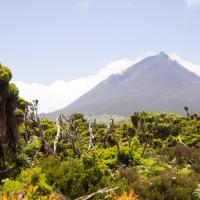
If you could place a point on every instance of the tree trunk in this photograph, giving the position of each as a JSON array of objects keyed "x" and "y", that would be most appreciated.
[
  {"x": 145, "y": 146},
  {"x": 3, "y": 127}
]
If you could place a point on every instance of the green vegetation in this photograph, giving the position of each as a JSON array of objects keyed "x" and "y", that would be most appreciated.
[
  {"x": 5, "y": 75},
  {"x": 8, "y": 119},
  {"x": 156, "y": 155}
]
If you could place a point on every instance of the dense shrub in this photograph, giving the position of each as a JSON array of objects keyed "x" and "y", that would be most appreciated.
[
  {"x": 156, "y": 154},
  {"x": 5, "y": 74},
  {"x": 167, "y": 186}
]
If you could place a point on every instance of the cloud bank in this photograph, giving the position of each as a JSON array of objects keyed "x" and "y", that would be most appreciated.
[
  {"x": 61, "y": 93},
  {"x": 188, "y": 65}
]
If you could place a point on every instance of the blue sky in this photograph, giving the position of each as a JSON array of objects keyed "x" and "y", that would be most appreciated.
[{"x": 49, "y": 40}]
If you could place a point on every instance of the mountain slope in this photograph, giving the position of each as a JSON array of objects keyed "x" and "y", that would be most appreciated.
[{"x": 156, "y": 83}]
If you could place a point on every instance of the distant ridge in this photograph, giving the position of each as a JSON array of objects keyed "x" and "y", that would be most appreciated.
[{"x": 156, "y": 83}]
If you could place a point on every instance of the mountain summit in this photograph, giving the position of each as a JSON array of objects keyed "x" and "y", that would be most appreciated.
[{"x": 156, "y": 83}]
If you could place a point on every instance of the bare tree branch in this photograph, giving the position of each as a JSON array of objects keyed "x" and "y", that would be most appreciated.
[
  {"x": 91, "y": 141},
  {"x": 108, "y": 130},
  {"x": 179, "y": 138},
  {"x": 70, "y": 121},
  {"x": 70, "y": 136},
  {"x": 57, "y": 135},
  {"x": 105, "y": 190}
]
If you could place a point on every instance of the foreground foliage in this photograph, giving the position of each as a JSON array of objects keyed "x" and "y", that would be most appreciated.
[
  {"x": 148, "y": 156},
  {"x": 145, "y": 154}
]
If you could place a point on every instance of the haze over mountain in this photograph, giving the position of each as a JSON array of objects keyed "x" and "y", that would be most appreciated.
[{"x": 156, "y": 83}]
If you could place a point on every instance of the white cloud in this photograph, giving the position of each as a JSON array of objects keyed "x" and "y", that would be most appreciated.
[
  {"x": 188, "y": 65},
  {"x": 61, "y": 93},
  {"x": 193, "y": 2}
]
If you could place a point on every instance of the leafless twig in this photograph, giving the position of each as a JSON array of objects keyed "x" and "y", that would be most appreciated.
[
  {"x": 105, "y": 190},
  {"x": 91, "y": 142},
  {"x": 179, "y": 138},
  {"x": 57, "y": 135}
]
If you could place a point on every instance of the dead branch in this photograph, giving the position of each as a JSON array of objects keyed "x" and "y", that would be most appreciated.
[
  {"x": 57, "y": 135},
  {"x": 71, "y": 138},
  {"x": 70, "y": 122},
  {"x": 91, "y": 137},
  {"x": 108, "y": 130},
  {"x": 105, "y": 190},
  {"x": 44, "y": 141},
  {"x": 179, "y": 138}
]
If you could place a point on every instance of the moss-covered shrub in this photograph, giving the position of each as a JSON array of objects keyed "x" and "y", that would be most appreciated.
[
  {"x": 126, "y": 156},
  {"x": 19, "y": 115},
  {"x": 5, "y": 75},
  {"x": 13, "y": 92}
]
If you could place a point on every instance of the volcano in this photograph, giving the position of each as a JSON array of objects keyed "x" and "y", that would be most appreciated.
[{"x": 156, "y": 83}]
